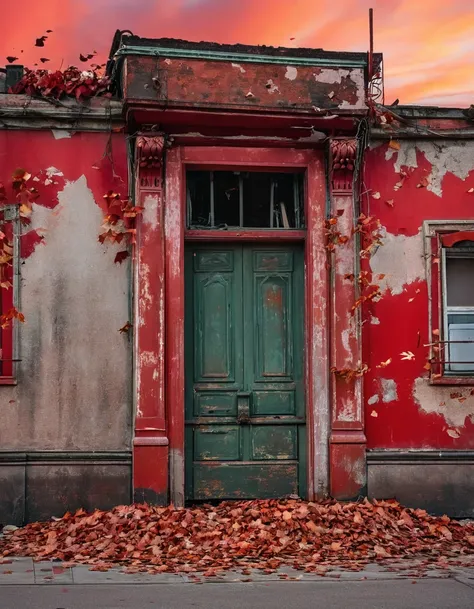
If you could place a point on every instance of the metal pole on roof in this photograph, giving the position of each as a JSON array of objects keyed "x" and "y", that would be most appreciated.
[{"x": 371, "y": 44}]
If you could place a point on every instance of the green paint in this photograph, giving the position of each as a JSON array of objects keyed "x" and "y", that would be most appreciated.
[
  {"x": 337, "y": 62},
  {"x": 245, "y": 412}
]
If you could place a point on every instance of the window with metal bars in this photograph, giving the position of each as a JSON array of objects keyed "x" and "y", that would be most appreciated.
[
  {"x": 226, "y": 200},
  {"x": 457, "y": 280}
]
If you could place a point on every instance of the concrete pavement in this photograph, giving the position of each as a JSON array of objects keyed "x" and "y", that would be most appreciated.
[
  {"x": 25, "y": 584},
  {"x": 375, "y": 594}
]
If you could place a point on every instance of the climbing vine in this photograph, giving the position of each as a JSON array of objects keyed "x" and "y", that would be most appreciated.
[
  {"x": 72, "y": 82},
  {"x": 23, "y": 196},
  {"x": 118, "y": 226},
  {"x": 371, "y": 237}
]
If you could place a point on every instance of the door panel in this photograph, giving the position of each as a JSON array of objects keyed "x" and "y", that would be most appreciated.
[
  {"x": 244, "y": 372},
  {"x": 281, "y": 443},
  {"x": 244, "y": 480},
  {"x": 215, "y": 316}
]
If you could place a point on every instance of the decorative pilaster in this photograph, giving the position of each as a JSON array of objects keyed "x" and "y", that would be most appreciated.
[
  {"x": 347, "y": 440},
  {"x": 150, "y": 444}
]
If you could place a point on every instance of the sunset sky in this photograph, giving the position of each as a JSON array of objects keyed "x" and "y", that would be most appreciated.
[{"x": 428, "y": 45}]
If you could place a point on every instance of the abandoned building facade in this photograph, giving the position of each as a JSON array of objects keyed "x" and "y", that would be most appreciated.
[{"x": 241, "y": 276}]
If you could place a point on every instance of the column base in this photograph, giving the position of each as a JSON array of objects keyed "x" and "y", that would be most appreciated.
[
  {"x": 150, "y": 470},
  {"x": 347, "y": 465}
]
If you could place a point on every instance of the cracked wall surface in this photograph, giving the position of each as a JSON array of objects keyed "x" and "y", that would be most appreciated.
[
  {"x": 74, "y": 377},
  {"x": 415, "y": 180}
]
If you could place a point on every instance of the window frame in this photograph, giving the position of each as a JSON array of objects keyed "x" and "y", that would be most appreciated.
[
  {"x": 440, "y": 236},
  {"x": 10, "y": 225},
  {"x": 298, "y": 194}
]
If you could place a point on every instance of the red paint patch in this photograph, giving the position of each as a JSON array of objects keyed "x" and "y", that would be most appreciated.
[{"x": 28, "y": 243}]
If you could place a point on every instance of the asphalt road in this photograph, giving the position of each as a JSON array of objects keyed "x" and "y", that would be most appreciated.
[{"x": 401, "y": 594}]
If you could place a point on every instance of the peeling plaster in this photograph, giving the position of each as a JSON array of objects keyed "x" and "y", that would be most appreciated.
[
  {"x": 150, "y": 213},
  {"x": 456, "y": 157},
  {"x": 148, "y": 358},
  {"x": 60, "y": 134},
  {"x": 331, "y": 76},
  {"x": 272, "y": 87},
  {"x": 347, "y": 412},
  {"x": 437, "y": 399},
  {"x": 375, "y": 321},
  {"x": 389, "y": 390},
  {"x": 52, "y": 171},
  {"x": 176, "y": 476},
  {"x": 335, "y": 76},
  {"x": 238, "y": 66},
  {"x": 291, "y": 72},
  {"x": 74, "y": 379},
  {"x": 346, "y": 340},
  {"x": 145, "y": 299},
  {"x": 355, "y": 469},
  {"x": 400, "y": 259}
]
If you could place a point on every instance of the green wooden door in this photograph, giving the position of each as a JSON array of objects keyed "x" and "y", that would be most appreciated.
[{"x": 245, "y": 412}]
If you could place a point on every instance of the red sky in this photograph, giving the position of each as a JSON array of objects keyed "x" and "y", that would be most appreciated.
[{"x": 428, "y": 45}]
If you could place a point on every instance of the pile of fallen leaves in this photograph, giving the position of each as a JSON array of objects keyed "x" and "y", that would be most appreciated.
[
  {"x": 248, "y": 534},
  {"x": 72, "y": 82}
]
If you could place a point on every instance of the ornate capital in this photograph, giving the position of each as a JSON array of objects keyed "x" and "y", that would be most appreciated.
[
  {"x": 150, "y": 160},
  {"x": 343, "y": 158}
]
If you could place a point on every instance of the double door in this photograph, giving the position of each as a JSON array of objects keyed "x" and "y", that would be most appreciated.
[{"x": 245, "y": 411}]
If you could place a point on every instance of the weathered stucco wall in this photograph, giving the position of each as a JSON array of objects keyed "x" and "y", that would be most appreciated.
[
  {"x": 402, "y": 409},
  {"x": 75, "y": 375}
]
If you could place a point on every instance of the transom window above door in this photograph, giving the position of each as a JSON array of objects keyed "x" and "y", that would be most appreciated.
[{"x": 226, "y": 200}]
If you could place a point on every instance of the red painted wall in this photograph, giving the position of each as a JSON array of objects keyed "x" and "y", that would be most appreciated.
[
  {"x": 80, "y": 154},
  {"x": 74, "y": 379},
  {"x": 427, "y": 417}
]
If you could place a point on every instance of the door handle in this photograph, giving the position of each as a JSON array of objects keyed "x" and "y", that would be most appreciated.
[{"x": 243, "y": 407}]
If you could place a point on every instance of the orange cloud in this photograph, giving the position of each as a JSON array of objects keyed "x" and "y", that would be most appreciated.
[{"x": 427, "y": 45}]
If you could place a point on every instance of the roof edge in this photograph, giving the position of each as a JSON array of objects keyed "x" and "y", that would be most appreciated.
[{"x": 170, "y": 47}]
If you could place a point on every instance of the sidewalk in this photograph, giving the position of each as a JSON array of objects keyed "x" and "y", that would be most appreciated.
[
  {"x": 25, "y": 584},
  {"x": 24, "y": 571}
]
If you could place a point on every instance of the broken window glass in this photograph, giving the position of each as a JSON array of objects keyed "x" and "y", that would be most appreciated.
[{"x": 225, "y": 200}]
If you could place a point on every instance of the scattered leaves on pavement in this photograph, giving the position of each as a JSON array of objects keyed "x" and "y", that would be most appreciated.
[{"x": 309, "y": 536}]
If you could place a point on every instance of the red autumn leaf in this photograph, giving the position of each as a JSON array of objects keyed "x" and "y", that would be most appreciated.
[
  {"x": 110, "y": 196},
  {"x": 86, "y": 57},
  {"x": 121, "y": 256},
  {"x": 13, "y": 313},
  {"x": 125, "y": 328},
  {"x": 262, "y": 534}
]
